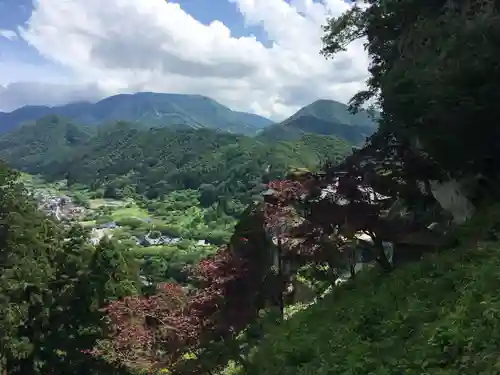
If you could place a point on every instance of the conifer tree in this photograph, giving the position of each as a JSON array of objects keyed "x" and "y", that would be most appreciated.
[{"x": 29, "y": 243}]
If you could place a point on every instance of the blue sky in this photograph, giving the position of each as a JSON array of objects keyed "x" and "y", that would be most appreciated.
[
  {"x": 18, "y": 60},
  {"x": 68, "y": 50},
  {"x": 20, "y": 56}
]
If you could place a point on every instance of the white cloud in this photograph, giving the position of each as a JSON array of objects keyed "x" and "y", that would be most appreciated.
[
  {"x": 9, "y": 34},
  {"x": 17, "y": 94},
  {"x": 153, "y": 45}
]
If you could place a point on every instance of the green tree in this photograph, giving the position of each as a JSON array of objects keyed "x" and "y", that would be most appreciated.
[
  {"x": 88, "y": 280},
  {"x": 131, "y": 222},
  {"x": 112, "y": 192},
  {"x": 104, "y": 219},
  {"x": 75, "y": 320},
  {"x": 434, "y": 68},
  {"x": 170, "y": 230},
  {"x": 208, "y": 195},
  {"x": 29, "y": 244},
  {"x": 112, "y": 273},
  {"x": 52, "y": 287}
]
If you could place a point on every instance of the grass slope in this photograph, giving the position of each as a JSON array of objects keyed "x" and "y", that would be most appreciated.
[{"x": 440, "y": 316}]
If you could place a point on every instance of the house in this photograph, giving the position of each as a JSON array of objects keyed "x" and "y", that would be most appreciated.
[
  {"x": 161, "y": 240},
  {"x": 145, "y": 281},
  {"x": 94, "y": 241},
  {"x": 136, "y": 240},
  {"x": 110, "y": 225},
  {"x": 364, "y": 255}
]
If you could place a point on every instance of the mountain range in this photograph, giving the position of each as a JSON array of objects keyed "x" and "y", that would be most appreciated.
[
  {"x": 151, "y": 144},
  {"x": 151, "y": 109},
  {"x": 179, "y": 111}
]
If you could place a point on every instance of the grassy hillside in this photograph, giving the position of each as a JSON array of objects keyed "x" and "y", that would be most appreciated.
[
  {"x": 149, "y": 109},
  {"x": 439, "y": 316},
  {"x": 323, "y": 117}
]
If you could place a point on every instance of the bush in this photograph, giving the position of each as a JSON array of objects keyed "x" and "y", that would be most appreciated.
[
  {"x": 169, "y": 230},
  {"x": 218, "y": 237},
  {"x": 131, "y": 222},
  {"x": 97, "y": 194},
  {"x": 184, "y": 244},
  {"x": 120, "y": 234},
  {"x": 103, "y": 219}
]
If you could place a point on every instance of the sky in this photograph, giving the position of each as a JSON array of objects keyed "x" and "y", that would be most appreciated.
[{"x": 259, "y": 56}]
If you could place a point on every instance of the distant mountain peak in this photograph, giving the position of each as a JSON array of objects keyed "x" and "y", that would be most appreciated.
[
  {"x": 324, "y": 117},
  {"x": 148, "y": 108}
]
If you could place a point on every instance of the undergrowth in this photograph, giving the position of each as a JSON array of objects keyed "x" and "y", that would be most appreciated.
[{"x": 440, "y": 316}]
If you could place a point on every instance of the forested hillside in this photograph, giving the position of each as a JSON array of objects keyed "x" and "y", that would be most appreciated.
[
  {"x": 52, "y": 287},
  {"x": 122, "y": 159},
  {"x": 436, "y": 315},
  {"x": 326, "y": 118},
  {"x": 36, "y": 146},
  {"x": 177, "y": 111}
]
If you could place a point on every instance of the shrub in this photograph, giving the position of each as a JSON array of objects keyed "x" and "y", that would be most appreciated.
[
  {"x": 103, "y": 219},
  {"x": 131, "y": 222}
]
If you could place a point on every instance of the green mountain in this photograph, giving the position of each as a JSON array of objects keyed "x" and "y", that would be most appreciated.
[
  {"x": 155, "y": 161},
  {"x": 323, "y": 117},
  {"x": 151, "y": 109},
  {"x": 42, "y": 143}
]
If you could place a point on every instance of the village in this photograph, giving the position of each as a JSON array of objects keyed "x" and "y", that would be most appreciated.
[
  {"x": 64, "y": 209},
  {"x": 59, "y": 206}
]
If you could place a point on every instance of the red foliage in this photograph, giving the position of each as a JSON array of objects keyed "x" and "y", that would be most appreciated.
[
  {"x": 226, "y": 299},
  {"x": 279, "y": 212},
  {"x": 140, "y": 327},
  {"x": 156, "y": 331},
  {"x": 286, "y": 191}
]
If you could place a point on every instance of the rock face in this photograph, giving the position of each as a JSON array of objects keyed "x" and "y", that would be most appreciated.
[
  {"x": 452, "y": 199},
  {"x": 450, "y": 195}
]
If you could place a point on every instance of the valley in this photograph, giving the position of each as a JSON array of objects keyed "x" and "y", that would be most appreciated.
[
  {"x": 167, "y": 195},
  {"x": 153, "y": 231},
  {"x": 168, "y": 234}
]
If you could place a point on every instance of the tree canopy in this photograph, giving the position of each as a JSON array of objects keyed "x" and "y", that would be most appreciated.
[{"x": 433, "y": 74}]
